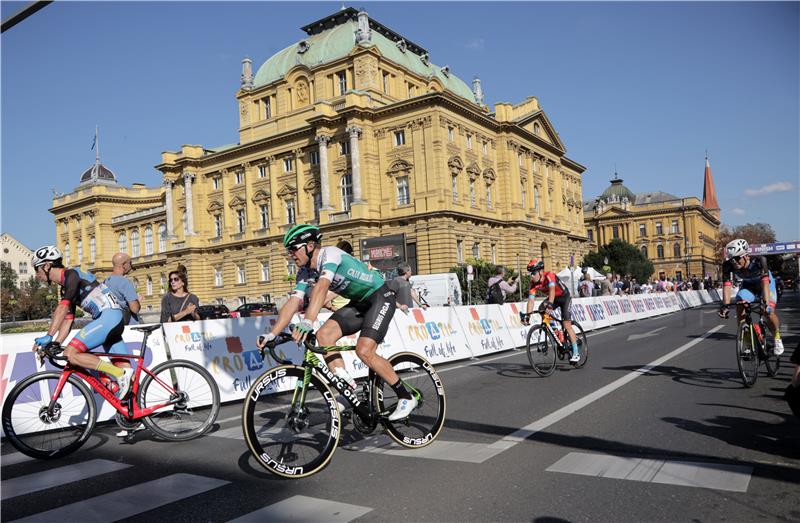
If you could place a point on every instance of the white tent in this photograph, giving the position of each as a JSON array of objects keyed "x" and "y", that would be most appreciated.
[{"x": 572, "y": 276}]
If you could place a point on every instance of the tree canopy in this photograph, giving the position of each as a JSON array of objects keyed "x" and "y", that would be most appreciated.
[
  {"x": 754, "y": 233},
  {"x": 623, "y": 258}
]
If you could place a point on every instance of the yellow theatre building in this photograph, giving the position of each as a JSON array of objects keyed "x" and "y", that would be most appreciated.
[
  {"x": 353, "y": 128},
  {"x": 677, "y": 234}
]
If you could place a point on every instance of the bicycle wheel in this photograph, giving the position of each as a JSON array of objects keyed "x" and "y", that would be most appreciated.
[
  {"x": 541, "y": 348},
  {"x": 425, "y": 422},
  {"x": 288, "y": 434},
  {"x": 37, "y": 432},
  {"x": 746, "y": 357},
  {"x": 197, "y": 394},
  {"x": 583, "y": 344},
  {"x": 771, "y": 361}
]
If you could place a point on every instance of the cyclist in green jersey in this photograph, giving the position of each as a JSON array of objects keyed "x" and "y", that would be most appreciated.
[{"x": 370, "y": 311}]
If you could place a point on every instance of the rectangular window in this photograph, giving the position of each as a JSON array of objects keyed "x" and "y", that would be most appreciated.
[
  {"x": 264, "y": 271},
  {"x": 454, "y": 187},
  {"x": 476, "y": 250},
  {"x": 410, "y": 91},
  {"x": 215, "y": 183},
  {"x": 450, "y": 134},
  {"x": 239, "y": 177},
  {"x": 240, "y": 220},
  {"x": 317, "y": 205},
  {"x": 488, "y": 196},
  {"x": 590, "y": 235},
  {"x": 313, "y": 157},
  {"x": 469, "y": 141},
  {"x": 519, "y": 160},
  {"x": 217, "y": 277},
  {"x": 494, "y": 253},
  {"x": 642, "y": 229},
  {"x": 267, "y": 107},
  {"x": 290, "y": 213},
  {"x": 291, "y": 268},
  {"x": 341, "y": 78},
  {"x": 288, "y": 165},
  {"x": 536, "y": 199},
  {"x": 218, "y": 225},
  {"x": 485, "y": 148},
  {"x": 344, "y": 148},
  {"x": 459, "y": 251},
  {"x": 399, "y": 138},
  {"x": 523, "y": 194},
  {"x": 615, "y": 231},
  {"x": 240, "y": 274},
  {"x": 262, "y": 171},
  {"x": 535, "y": 165},
  {"x": 472, "y": 197},
  {"x": 263, "y": 213},
  {"x": 674, "y": 229},
  {"x": 659, "y": 229},
  {"x": 403, "y": 194},
  {"x": 386, "y": 83}
]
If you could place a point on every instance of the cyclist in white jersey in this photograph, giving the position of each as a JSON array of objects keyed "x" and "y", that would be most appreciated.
[{"x": 370, "y": 310}]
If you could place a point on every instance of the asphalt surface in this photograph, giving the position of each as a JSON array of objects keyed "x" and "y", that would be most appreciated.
[{"x": 678, "y": 440}]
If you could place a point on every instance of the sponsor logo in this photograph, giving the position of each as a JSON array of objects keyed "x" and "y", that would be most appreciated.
[{"x": 358, "y": 275}]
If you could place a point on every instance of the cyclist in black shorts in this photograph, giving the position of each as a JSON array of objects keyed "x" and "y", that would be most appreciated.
[
  {"x": 557, "y": 296},
  {"x": 370, "y": 310}
]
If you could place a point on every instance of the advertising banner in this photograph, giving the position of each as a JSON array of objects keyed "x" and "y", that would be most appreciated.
[{"x": 485, "y": 329}]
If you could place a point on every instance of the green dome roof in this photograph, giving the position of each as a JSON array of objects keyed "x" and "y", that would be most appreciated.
[
  {"x": 618, "y": 191},
  {"x": 337, "y": 42}
]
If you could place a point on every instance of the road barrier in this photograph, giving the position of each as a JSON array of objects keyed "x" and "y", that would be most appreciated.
[{"x": 227, "y": 347}]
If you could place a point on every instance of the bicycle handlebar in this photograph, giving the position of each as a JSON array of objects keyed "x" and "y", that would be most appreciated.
[
  {"x": 51, "y": 351},
  {"x": 283, "y": 337}
]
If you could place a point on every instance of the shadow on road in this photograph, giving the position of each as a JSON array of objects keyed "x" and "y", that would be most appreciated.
[{"x": 705, "y": 377}]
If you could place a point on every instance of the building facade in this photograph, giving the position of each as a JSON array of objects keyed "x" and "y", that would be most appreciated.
[
  {"x": 355, "y": 129},
  {"x": 17, "y": 256},
  {"x": 677, "y": 234}
]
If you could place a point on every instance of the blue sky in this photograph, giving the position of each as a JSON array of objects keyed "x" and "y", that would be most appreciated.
[{"x": 647, "y": 87}]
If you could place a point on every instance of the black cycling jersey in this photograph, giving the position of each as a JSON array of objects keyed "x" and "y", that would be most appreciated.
[
  {"x": 751, "y": 276},
  {"x": 82, "y": 289}
]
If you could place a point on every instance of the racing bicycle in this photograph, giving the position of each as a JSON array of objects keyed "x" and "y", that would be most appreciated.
[
  {"x": 751, "y": 345},
  {"x": 50, "y": 414},
  {"x": 549, "y": 341},
  {"x": 291, "y": 418}
]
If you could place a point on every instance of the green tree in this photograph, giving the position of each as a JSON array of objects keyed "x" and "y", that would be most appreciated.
[
  {"x": 8, "y": 292},
  {"x": 35, "y": 299},
  {"x": 482, "y": 271},
  {"x": 754, "y": 233},
  {"x": 623, "y": 258}
]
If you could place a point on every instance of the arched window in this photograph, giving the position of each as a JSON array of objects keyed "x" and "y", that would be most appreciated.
[
  {"x": 148, "y": 241},
  {"x": 660, "y": 251},
  {"x": 676, "y": 250},
  {"x": 135, "y": 243},
  {"x": 162, "y": 238},
  {"x": 123, "y": 242},
  {"x": 346, "y": 188},
  {"x": 476, "y": 250},
  {"x": 537, "y": 129},
  {"x": 149, "y": 286},
  {"x": 644, "y": 250}
]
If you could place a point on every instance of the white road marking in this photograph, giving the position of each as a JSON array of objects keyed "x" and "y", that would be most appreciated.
[
  {"x": 130, "y": 501},
  {"x": 439, "y": 449},
  {"x": 305, "y": 509},
  {"x": 58, "y": 476},
  {"x": 718, "y": 476},
  {"x": 653, "y": 332}
]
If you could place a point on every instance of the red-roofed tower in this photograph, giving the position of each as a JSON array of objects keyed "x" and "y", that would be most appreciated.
[{"x": 709, "y": 194}]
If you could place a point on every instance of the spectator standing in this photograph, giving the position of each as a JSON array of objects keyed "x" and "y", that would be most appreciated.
[
  {"x": 405, "y": 295},
  {"x": 178, "y": 304},
  {"x": 607, "y": 285},
  {"x": 123, "y": 289},
  {"x": 499, "y": 278},
  {"x": 586, "y": 286}
]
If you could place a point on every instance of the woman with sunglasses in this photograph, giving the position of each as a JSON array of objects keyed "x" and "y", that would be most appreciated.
[
  {"x": 178, "y": 304},
  {"x": 756, "y": 283}
]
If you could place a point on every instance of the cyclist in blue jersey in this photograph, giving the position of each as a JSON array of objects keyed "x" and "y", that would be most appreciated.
[
  {"x": 82, "y": 289},
  {"x": 756, "y": 283},
  {"x": 369, "y": 311}
]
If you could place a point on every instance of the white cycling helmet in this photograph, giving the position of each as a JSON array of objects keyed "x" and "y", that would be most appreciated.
[
  {"x": 48, "y": 253},
  {"x": 736, "y": 248}
]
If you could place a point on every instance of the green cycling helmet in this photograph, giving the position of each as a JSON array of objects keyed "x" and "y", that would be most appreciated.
[{"x": 302, "y": 233}]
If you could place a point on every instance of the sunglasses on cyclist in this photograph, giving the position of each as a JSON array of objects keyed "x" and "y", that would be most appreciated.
[
  {"x": 295, "y": 248},
  {"x": 737, "y": 259}
]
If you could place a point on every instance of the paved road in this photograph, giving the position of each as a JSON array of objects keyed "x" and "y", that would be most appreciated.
[{"x": 657, "y": 429}]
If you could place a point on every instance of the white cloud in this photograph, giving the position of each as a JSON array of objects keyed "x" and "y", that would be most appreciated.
[
  {"x": 737, "y": 211},
  {"x": 769, "y": 189},
  {"x": 477, "y": 43}
]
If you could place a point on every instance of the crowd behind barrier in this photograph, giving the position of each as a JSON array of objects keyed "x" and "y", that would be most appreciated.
[{"x": 227, "y": 347}]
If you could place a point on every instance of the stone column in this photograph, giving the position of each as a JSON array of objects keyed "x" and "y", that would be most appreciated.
[
  {"x": 187, "y": 180},
  {"x": 354, "y": 131},
  {"x": 324, "y": 182},
  {"x": 168, "y": 201}
]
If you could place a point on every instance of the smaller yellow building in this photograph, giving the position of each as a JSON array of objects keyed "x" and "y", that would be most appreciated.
[{"x": 677, "y": 234}]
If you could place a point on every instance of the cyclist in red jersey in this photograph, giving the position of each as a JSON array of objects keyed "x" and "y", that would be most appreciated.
[{"x": 557, "y": 296}]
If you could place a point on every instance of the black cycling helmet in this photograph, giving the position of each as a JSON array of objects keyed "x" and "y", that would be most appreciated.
[{"x": 300, "y": 234}]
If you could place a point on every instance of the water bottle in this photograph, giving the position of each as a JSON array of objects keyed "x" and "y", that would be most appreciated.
[
  {"x": 342, "y": 374},
  {"x": 110, "y": 384},
  {"x": 560, "y": 335}
]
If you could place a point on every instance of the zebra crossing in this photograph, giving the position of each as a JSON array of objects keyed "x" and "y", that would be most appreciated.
[{"x": 128, "y": 502}]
